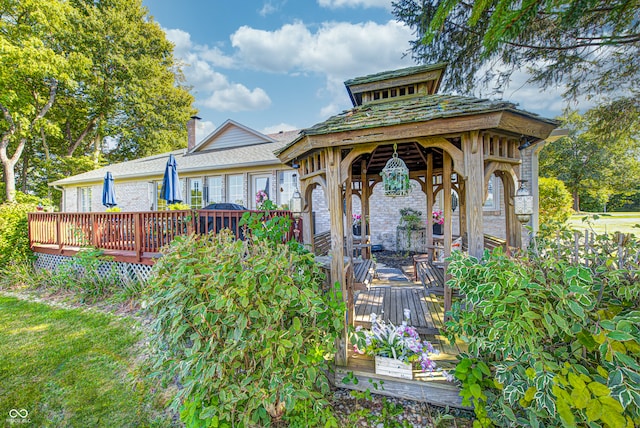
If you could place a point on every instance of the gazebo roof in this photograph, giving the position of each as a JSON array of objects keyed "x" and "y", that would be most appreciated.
[
  {"x": 410, "y": 110},
  {"x": 417, "y": 109}
]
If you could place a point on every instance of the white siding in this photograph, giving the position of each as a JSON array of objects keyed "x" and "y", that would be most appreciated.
[{"x": 232, "y": 137}]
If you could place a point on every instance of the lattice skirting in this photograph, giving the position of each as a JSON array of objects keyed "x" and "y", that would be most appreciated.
[{"x": 127, "y": 272}]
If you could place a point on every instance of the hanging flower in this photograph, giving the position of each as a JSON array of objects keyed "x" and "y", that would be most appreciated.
[{"x": 437, "y": 216}]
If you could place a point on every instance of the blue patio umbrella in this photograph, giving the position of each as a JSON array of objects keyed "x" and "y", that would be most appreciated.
[
  {"x": 171, "y": 191},
  {"x": 108, "y": 191}
]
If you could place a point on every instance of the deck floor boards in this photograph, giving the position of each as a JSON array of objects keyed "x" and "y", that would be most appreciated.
[{"x": 427, "y": 314}]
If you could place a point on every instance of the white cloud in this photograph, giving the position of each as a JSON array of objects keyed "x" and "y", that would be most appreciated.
[
  {"x": 274, "y": 129},
  {"x": 337, "y": 50},
  {"x": 236, "y": 97},
  {"x": 334, "y": 4},
  {"x": 270, "y": 7},
  {"x": 212, "y": 88}
]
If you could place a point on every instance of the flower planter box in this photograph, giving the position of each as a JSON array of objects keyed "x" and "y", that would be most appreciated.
[{"x": 394, "y": 368}]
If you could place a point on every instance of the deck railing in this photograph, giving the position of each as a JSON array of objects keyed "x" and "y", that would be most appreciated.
[{"x": 137, "y": 235}]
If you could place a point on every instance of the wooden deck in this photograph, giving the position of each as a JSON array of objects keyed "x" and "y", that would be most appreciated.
[
  {"x": 427, "y": 315},
  {"x": 134, "y": 237}
]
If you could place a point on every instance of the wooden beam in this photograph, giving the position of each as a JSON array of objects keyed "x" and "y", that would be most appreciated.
[
  {"x": 523, "y": 125},
  {"x": 430, "y": 201}
]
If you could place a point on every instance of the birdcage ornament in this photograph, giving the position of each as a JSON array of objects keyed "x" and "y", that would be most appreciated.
[{"x": 395, "y": 176}]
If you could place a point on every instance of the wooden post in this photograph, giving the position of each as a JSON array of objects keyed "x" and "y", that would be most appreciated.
[
  {"x": 307, "y": 216},
  {"x": 364, "y": 202},
  {"x": 474, "y": 191},
  {"x": 513, "y": 226},
  {"x": 334, "y": 195},
  {"x": 95, "y": 229},
  {"x": 137, "y": 235},
  {"x": 429, "y": 195},
  {"x": 348, "y": 196},
  {"x": 448, "y": 212},
  {"x": 462, "y": 207},
  {"x": 59, "y": 232}
]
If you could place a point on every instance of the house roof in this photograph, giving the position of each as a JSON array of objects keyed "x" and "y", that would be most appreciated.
[
  {"x": 262, "y": 153},
  {"x": 396, "y": 111}
]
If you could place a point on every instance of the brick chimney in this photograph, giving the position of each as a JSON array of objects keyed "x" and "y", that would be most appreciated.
[{"x": 191, "y": 133}]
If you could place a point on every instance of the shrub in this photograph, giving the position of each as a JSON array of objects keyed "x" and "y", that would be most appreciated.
[
  {"x": 89, "y": 273},
  {"x": 555, "y": 201},
  {"x": 245, "y": 328},
  {"x": 14, "y": 229},
  {"x": 554, "y": 339}
]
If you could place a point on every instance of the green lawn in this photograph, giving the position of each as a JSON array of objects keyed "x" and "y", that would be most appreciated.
[
  {"x": 609, "y": 223},
  {"x": 67, "y": 367}
]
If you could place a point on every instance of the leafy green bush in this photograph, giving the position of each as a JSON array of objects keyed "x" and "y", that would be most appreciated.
[
  {"x": 14, "y": 229},
  {"x": 245, "y": 328},
  {"x": 88, "y": 273},
  {"x": 555, "y": 201},
  {"x": 554, "y": 339}
]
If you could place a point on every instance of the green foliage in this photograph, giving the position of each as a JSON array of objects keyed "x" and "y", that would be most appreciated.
[
  {"x": 14, "y": 230},
  {"x": 553, "y": 339},
  {"x": 245, "y": 328},
  {"x": 555, "y": 201},
  {"x": 411, "y": 219},
  {"x": 590, "y": 45},
  {"x": 262, "y": 227},
  {"x": 178, "y": 207},
  {"x": 89, "y": 274},
  {"x": 593, "y": 162},
  {"x": 67, "y": 89}
]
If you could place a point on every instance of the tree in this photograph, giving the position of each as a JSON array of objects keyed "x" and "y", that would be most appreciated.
[
  {"x": 555, "y": 201},
  {"x": 592, "y": 46},
  {"x": 590, "y": 162},
  {"x": 103, "y": 74},
  {"x": 31, "y": 69}
]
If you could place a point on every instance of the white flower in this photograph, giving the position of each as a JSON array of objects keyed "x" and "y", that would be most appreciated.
[{"x": 407, "y": 313}]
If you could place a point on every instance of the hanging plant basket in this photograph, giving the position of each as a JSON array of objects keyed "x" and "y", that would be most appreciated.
[{"x": 395, "y": 176}]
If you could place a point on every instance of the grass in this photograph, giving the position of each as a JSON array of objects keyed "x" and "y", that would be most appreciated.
[
  {"x": 607, "y": 223},
  {"x": 69, "y": 367}
]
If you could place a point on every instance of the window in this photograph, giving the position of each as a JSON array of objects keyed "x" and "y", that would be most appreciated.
[
  {"x": 236, "y": 193},
  {"x": 195, "y": 194},
  {"x": 287, "y": 183},
  {"x": 213, "y": 190},
  {"x": 84, "y": 199}
]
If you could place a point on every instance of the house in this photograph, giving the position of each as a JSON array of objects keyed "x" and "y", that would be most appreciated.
[
  {"x": 234, "y": 162},
  {"x": 231, "y": 164}
]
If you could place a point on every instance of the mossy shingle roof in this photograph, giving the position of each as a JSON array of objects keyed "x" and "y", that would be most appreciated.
[
  {"x": 385, "y": 75},
  {"x": 408, "y": 110}
]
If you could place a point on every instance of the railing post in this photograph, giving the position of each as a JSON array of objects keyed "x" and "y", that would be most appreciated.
[
  {"x": 95, "y": 239},
  {"x": 58, "y": 218},
  {"x": 137, "y": 234}
]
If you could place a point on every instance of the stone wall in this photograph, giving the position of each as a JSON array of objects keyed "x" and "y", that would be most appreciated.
[{"x": 385, "y": 214}]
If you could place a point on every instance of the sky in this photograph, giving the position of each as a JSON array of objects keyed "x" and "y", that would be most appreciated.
[{"x": 278, "y": 65}]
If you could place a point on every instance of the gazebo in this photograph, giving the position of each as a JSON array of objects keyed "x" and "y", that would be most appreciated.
[{"x": 447, "y": 142}]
